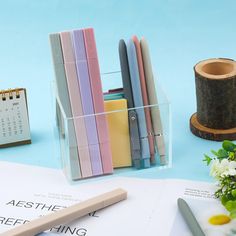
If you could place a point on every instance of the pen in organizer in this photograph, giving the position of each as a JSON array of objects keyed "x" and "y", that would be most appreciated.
[
  {"x": 152, "y": 96},
  {"x": 138, "y": 102},
  {"x": 133, "y": 118},
  {"x": 189, "y": 218},
  {"x": 68, "y": 214},
  {"x": 145, "y": 98}
]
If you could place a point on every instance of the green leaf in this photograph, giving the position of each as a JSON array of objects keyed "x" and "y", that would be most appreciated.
[
  {"x": 214, "y": 153},
  {"x": 233, "y": 214},
  {"x": 222, "y": 154},
  {"x": 228, "y": 145},
  {"x": 233, "y": 192},
  {"x": 207, "y": 159},
  {"x": 230, "y": 205},
  {"x": 232, "y": 156},
  {"x": 224, "y": 200}
]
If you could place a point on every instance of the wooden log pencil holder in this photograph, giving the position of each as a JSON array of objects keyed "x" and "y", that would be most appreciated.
[{"x": 215, "y": 118}]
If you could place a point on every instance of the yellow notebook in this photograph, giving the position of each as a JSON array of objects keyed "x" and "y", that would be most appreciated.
[{"x": 119, "y": 132}]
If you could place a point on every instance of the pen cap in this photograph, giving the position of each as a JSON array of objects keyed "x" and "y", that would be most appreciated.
[
  {"x": 67, "y": 46},
  {"x": 78, "y": 39},
  {"x": 124, "y": 64},
  {"x": 134, "y": 74}
]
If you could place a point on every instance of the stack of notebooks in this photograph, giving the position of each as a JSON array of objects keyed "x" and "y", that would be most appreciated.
[
  {"x": 99, "y": 137},
  {"x": 80, "y": 92}
]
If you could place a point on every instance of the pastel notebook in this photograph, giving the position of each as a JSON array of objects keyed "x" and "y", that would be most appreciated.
[
  {"x": 118, "y": 123},
  {"x": 14, "y": 120},
  {"x": 72, "y": 165},
  {"x": 98, "y": 103},
  {"x": 87, "y": 101},
  {"x": 76, "y": 104}
]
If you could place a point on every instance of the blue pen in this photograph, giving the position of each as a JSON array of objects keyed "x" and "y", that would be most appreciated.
[
  {"x": 138, "y": 102},
  {"x": 133, "y": 119}
]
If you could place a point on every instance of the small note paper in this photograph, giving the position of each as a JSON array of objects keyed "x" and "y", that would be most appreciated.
[{"x": 14, "y": 121}]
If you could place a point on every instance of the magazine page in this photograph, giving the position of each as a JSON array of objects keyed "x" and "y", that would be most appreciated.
[{"x": 209, "y": 212}]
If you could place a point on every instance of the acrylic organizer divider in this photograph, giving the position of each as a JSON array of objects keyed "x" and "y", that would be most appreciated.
[{"x": 129, "y": 152}]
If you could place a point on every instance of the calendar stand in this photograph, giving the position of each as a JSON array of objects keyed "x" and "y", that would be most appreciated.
[{"x": 14, "y": 120}]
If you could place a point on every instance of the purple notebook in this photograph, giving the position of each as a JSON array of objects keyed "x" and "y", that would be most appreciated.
[{"x": 87, "y": 102}]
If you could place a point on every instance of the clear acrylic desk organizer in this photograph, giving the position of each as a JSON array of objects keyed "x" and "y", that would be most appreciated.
[{"x": 111, "y": 80}]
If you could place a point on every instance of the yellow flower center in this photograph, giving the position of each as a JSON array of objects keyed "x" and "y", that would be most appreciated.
[{"x": 219, "y": 220}]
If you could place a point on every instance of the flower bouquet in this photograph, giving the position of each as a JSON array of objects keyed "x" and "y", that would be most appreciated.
[{"x": 223, "y": 169}]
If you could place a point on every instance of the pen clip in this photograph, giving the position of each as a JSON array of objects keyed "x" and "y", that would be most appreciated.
[{"x": 134, "y": 138}]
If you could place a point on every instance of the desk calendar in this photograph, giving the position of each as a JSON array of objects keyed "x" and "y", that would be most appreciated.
[{"x": 14, "y": 121}]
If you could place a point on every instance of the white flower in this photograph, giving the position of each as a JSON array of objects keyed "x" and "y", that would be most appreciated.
[
  {"x": 215, "y": 169},
  {"x": 232, "y": 168},
  {"x": 223, "y": 168}
]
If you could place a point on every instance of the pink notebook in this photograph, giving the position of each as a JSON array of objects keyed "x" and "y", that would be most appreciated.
[
  {"x": 76, "y": 105},
  {"x": 98, "y": 102}
]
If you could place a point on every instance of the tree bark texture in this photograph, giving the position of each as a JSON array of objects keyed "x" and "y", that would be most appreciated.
[{"x": 215, "y": 81}]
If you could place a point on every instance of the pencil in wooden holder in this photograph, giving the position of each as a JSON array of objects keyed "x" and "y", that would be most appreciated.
[
  {"x": 68, "y": 214},
  {"x": 215, "y": 118}
]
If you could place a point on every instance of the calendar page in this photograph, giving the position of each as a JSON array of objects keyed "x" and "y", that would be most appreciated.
[{"x": 14, "y": 121}]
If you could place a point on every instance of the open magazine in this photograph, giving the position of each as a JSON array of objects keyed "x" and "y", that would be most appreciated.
[
  {"x": 209, "y": 212},
  {"x": 29, "y": 192}
]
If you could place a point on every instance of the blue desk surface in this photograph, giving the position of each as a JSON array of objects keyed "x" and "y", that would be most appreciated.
[{"x": 180, "y": 33}]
